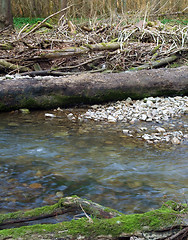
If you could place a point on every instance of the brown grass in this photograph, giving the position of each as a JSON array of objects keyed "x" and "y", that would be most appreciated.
[{"x": 93, "y": 8}]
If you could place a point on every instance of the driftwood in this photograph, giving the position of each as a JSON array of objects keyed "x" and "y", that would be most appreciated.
[
  {"x": 93, "y": 221},
  {"x": 51, "y": 92}
]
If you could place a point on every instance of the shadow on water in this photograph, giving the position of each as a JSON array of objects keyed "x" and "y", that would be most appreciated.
[{"x": 43, "y": 159}]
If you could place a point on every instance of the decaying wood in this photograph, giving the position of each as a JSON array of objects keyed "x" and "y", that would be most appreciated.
[
  {"x": 73, "y": 51},
  {"x": 12, "y": 67},
  {"x": 67, "y": 205},
  {"x": 68, "y": 45},
  {"x": 158, "y": 63},
  {"x": 52, "y": 92},
  {"x": 182, "y": 233}
]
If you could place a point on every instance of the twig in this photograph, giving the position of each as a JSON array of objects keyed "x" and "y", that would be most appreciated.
[
  {"x": 22, "y": 30},
  {"x": 81, "y": 64},
  {"x": 52, "y": 15},
  {"x": 182, "y": 232},
  {"x": 90, "y": 220}
]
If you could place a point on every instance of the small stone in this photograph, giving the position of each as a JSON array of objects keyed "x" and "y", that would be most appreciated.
[
  {"x": 125, "y": 131},
  {"x": 175, "y": 141},
  {"x": 24, "y": 110},
  {"x": 71, "y": 116},
  {"x": 149, "y": 103},
  {"x": 35, "y": 185},
  {"x": 185, "y": 136},
  {"x": 128, "y": 100},
  {"x": 149, "y": 120},
  {"x": 133, "y": 121},
  {"x": 111, "y": 119},
  {"x": 146, "y": 137},
  {"x": 59, "y": 194},
  {"x": 143, "y": 117},
  {"x": 95, "y": 106},
  {"x": 49, "y": 115},
  {"x": 143, "y": 128},
  {"x": 160, "y": 130}
]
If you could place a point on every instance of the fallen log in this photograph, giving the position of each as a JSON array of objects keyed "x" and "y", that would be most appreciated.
[
  {"x": 73, "y": 51},
  {"x": 7, "y": 66},
  {"x": 96, "y": 222},
  {"x": 51, "y": 92}
]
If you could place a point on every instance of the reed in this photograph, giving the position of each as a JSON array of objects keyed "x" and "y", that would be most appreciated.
[{"x": 93, "y": 8}]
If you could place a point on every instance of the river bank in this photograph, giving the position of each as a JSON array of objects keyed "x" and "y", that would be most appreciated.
[{"x": 151, "y": 119}]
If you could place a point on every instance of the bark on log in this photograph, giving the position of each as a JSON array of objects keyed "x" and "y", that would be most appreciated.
[{"x": 51, "y": 92}]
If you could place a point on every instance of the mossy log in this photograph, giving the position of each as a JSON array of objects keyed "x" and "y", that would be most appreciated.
[
  {"x": 68, "y": 204},
  {"x": 7, "y": 66},
  {"x": 167, "y": 222},
  {"x": 51, "y": 92}
]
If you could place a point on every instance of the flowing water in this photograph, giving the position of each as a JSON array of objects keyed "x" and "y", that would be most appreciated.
[{"x": 43, "y": 159}]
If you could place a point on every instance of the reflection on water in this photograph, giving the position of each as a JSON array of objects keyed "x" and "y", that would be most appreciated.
[{"x": 43, "y": 159}]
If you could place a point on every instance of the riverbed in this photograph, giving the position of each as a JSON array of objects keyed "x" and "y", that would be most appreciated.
[{"x": 49, "y": 154}]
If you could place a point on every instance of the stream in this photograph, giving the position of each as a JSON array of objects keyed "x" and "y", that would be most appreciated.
[{"x": 43, "y": 159}]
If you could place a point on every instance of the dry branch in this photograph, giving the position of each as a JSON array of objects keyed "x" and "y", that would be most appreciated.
[
  {"x": 46, "y": 19},
  {"x": 71, "y": 51},
  {"x": 158, "y": 63}
]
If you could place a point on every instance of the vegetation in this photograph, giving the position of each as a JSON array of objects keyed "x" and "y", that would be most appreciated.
[
  {"x": 20, "y": 22},
  {"x": 170, "y": 216},
  {"x": 87, "y": 8}
]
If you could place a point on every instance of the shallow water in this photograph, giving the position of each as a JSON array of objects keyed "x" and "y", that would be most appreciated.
[{"x": 43, "y": 159}]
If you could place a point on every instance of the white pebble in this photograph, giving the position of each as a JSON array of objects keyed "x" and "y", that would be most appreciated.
[
  {"x": 160, "y": 130},
  {"x": 49, "y": 115},
  {"x": 175, "y": 141}
]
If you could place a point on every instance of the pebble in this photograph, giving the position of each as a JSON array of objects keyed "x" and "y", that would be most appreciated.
[
  {"x": 49, "y": 115},
  {"x": 156, "y": 110},
  {"x": 175, "y": 140},
  {"x": 111, "y": 119},
  {"x": 125, "y": 131},
  {"x": 148, "y": 109},
  {"x": 160, "y": 129}
]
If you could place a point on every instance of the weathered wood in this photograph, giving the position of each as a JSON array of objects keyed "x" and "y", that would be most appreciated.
[
  {"x": 71, "y": 51},
  {"x": 7, "y": 66},
  {"x": 51, "y": 92},
  {"x": 157, "y": 64}
]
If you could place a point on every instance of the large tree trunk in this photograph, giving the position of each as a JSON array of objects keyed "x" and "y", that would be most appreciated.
[
  {"x": 51, "y": 92},
  {"x": 5, "y": 14}
]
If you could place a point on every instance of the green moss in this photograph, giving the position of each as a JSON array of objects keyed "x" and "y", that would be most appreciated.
[
  {"x": 167, "y": 215},
  {"x": 30, "y": 213}
]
